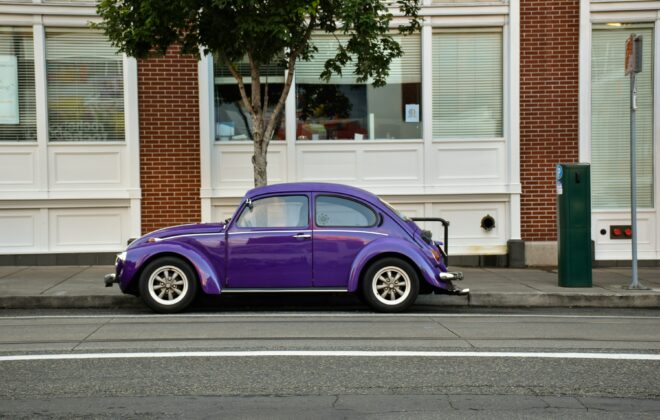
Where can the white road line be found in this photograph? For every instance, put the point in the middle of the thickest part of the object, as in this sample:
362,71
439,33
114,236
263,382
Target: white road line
271,315
331,353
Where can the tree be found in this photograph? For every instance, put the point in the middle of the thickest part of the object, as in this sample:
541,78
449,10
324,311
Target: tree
264,32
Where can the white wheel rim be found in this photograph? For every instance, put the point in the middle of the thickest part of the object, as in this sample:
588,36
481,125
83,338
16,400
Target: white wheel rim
391,285
168,285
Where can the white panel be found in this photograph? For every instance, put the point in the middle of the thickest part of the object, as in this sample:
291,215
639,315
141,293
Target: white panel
464,164
326,165
233,165
88,229
392,165
85,168
17,168
620,249
18,230
466,237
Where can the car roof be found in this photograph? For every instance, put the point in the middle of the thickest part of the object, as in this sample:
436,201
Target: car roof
311,187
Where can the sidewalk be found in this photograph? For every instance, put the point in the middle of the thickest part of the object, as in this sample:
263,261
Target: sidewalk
82,287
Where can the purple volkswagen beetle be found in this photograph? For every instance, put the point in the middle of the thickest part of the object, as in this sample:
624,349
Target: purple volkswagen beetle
297,237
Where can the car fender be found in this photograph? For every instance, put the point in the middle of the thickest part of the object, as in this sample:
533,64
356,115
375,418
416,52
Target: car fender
392,245
208,277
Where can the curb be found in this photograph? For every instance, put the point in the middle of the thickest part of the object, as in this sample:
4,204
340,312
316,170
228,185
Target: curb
70,302
564,300
475,299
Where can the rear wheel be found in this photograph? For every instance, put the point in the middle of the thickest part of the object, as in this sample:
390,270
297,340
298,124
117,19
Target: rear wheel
390,285
168,285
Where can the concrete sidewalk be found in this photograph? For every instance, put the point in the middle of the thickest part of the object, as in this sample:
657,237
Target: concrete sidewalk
82,287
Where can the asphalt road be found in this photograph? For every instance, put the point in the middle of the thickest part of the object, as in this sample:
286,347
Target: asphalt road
277,363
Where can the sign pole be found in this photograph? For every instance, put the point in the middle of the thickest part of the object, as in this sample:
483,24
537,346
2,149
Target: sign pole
633,66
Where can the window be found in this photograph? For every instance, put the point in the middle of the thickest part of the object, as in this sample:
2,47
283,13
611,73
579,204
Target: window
467,83
341,212
610,119
232,120
17,95
344,109
85,87
276,212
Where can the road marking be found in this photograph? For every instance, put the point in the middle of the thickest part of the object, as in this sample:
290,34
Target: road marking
333,353
270,315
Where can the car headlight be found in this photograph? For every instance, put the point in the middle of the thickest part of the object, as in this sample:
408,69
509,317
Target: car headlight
120,257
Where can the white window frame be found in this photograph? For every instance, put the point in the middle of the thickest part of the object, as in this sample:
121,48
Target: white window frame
607,11
46,194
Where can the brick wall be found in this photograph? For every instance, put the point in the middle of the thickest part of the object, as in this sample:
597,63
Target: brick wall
549,68
168,92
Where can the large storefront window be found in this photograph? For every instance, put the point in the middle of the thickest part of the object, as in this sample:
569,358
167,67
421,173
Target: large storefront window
344,109
610,119
467,83
85,87
232,120
17,95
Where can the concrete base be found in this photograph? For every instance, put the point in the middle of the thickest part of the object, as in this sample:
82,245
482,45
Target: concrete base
516,251
541,254
92,258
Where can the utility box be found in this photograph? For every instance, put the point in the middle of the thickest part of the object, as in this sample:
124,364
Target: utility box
574,224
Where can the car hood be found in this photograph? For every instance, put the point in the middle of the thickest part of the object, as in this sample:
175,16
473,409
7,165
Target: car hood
189,229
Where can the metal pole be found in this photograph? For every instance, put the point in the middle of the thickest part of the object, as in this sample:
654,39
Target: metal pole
633,179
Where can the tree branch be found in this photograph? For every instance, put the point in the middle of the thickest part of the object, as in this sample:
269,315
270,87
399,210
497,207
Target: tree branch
239,80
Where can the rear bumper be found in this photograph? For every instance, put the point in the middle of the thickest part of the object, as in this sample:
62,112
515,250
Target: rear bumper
447,278
451,276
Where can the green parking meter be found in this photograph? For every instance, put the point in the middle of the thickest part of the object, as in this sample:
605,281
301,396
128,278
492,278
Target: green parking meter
574,224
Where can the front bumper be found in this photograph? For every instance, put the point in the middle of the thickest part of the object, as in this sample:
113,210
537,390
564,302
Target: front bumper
110,279
113,278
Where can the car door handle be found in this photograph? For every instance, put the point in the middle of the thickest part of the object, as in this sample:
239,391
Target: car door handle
302,236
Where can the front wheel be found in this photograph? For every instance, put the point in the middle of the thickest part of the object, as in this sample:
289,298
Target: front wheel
168,285
390,285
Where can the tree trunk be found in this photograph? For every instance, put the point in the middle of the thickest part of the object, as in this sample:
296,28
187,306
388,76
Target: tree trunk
259,164
259,158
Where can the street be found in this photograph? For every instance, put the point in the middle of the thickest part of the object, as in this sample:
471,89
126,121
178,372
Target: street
323,362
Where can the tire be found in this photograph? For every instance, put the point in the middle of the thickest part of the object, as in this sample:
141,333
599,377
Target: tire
168,285
390,285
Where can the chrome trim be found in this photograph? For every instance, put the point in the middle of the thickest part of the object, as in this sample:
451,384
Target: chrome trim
185,235
350,231
270,231
286,290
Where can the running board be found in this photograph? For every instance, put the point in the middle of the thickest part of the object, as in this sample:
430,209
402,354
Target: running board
286,290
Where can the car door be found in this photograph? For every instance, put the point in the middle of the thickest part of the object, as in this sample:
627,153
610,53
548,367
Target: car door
343,226
270,244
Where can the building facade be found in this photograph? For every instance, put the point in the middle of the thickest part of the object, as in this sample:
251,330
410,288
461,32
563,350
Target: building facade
96,148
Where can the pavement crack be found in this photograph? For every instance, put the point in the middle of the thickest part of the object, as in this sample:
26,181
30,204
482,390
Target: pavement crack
65,279
90,334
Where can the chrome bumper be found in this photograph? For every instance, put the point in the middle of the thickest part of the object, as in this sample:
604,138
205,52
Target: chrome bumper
451,276
110,279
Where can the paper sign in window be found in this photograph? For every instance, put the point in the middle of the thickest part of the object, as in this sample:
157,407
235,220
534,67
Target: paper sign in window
8,89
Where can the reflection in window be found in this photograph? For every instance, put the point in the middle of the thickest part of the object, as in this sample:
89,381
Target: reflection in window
467,83
232,120
85,87
342,212
17,95
343,109
276,212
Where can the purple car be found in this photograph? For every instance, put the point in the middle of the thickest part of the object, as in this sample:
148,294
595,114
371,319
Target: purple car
297,237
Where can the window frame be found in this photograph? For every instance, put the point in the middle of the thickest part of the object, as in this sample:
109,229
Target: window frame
244,206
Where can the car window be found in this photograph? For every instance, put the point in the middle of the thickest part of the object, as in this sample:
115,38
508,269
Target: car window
341,212
274,212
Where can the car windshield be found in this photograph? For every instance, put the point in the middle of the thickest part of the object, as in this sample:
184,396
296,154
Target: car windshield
397,212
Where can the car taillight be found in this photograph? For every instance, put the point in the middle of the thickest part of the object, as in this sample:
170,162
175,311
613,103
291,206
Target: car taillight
436,254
